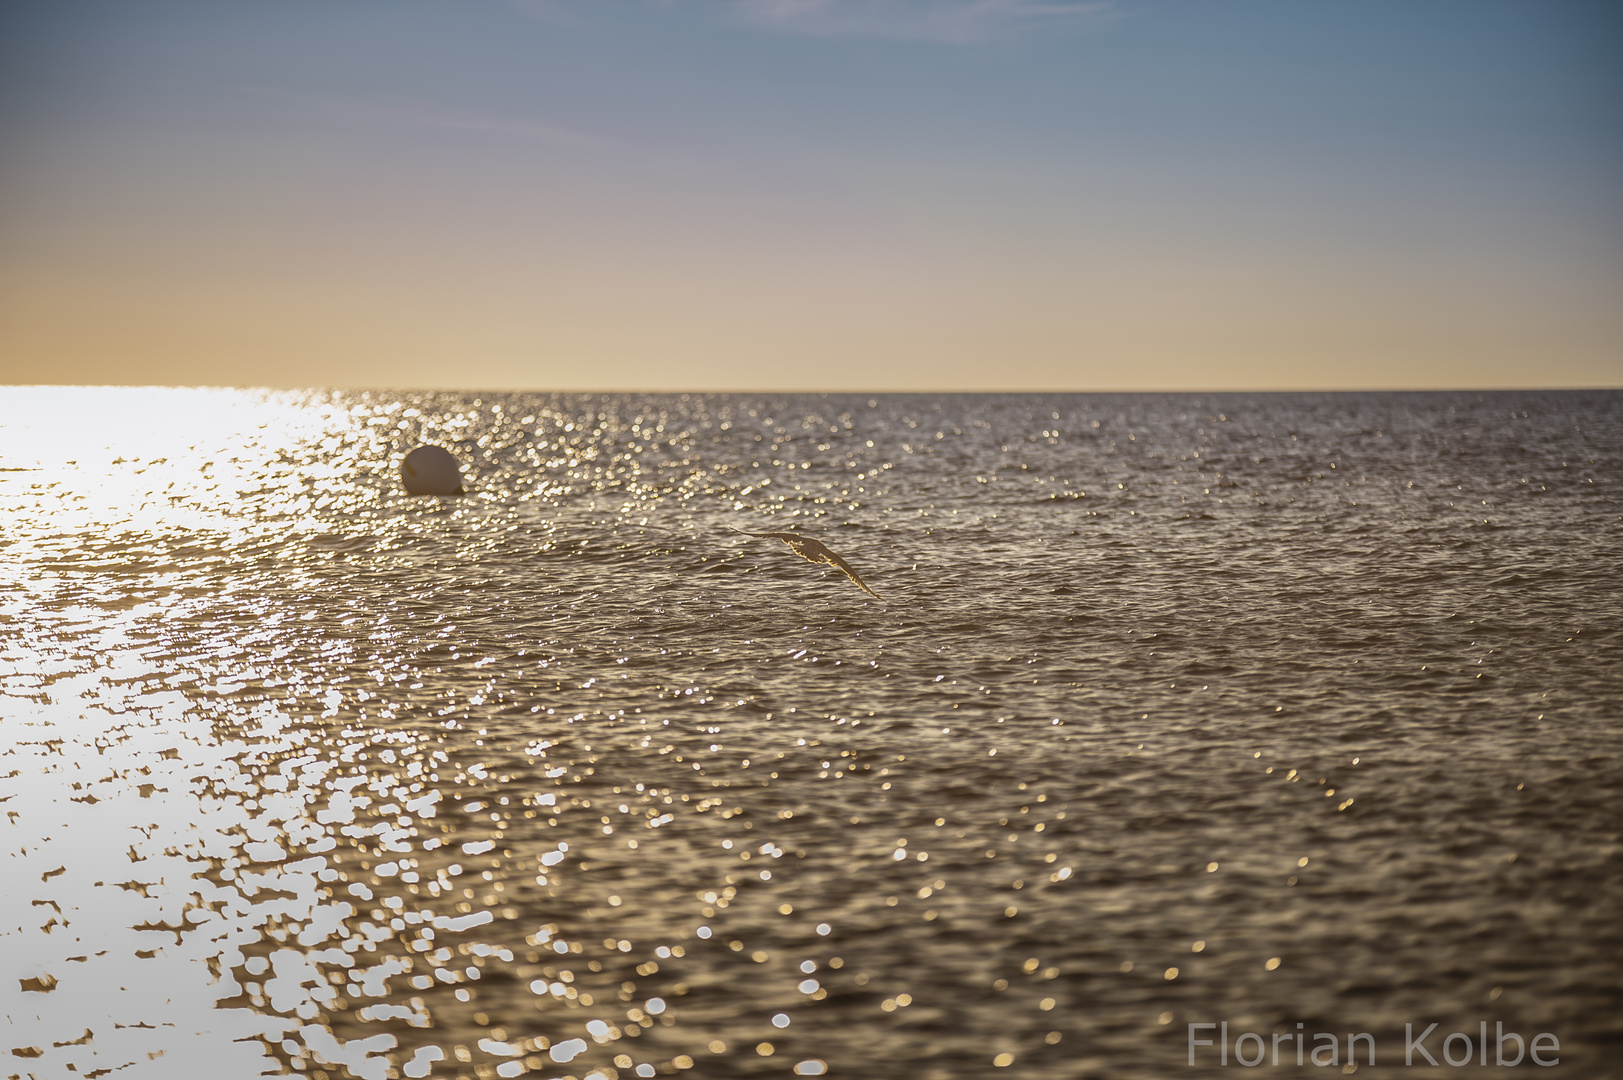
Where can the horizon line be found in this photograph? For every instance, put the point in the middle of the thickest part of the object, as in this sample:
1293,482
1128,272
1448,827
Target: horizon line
823,392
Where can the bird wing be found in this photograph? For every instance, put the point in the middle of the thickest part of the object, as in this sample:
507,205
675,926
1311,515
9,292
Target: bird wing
815,551
784,536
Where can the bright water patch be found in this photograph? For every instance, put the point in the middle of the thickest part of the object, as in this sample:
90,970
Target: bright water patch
1257,708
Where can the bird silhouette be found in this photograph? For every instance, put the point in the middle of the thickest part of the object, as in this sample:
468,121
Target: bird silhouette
814,551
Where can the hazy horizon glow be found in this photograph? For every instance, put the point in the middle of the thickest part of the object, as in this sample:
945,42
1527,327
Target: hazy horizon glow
812,194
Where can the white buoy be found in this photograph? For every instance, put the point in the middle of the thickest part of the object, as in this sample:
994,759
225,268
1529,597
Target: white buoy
431,470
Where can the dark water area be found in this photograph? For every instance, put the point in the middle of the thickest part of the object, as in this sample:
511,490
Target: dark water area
1262,710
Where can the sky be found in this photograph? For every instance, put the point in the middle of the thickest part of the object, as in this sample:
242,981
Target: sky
860,195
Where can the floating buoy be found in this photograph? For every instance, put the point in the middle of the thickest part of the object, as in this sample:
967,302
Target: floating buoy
431,470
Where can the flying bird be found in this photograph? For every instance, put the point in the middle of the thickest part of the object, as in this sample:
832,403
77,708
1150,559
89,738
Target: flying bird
814,551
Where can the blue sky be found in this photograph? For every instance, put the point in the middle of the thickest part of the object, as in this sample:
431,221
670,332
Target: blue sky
862,194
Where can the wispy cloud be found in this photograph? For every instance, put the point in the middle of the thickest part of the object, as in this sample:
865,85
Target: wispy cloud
951,22
403,113
562,12
499,125
954,22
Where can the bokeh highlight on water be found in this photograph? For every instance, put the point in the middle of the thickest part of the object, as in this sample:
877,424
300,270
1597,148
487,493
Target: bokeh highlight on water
1271,709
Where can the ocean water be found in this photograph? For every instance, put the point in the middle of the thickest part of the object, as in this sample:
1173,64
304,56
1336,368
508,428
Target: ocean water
1294,713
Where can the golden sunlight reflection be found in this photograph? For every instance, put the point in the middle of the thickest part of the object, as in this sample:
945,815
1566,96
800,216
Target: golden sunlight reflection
156,461
562,778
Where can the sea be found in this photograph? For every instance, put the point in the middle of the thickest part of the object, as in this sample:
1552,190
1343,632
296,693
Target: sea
1193,733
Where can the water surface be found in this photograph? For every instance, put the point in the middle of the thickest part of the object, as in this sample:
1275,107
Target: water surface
1262,709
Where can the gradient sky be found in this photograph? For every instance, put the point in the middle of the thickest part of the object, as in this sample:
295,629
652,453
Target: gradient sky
812,194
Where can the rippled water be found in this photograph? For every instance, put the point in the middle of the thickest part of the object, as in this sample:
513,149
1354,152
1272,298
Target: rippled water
1256,709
